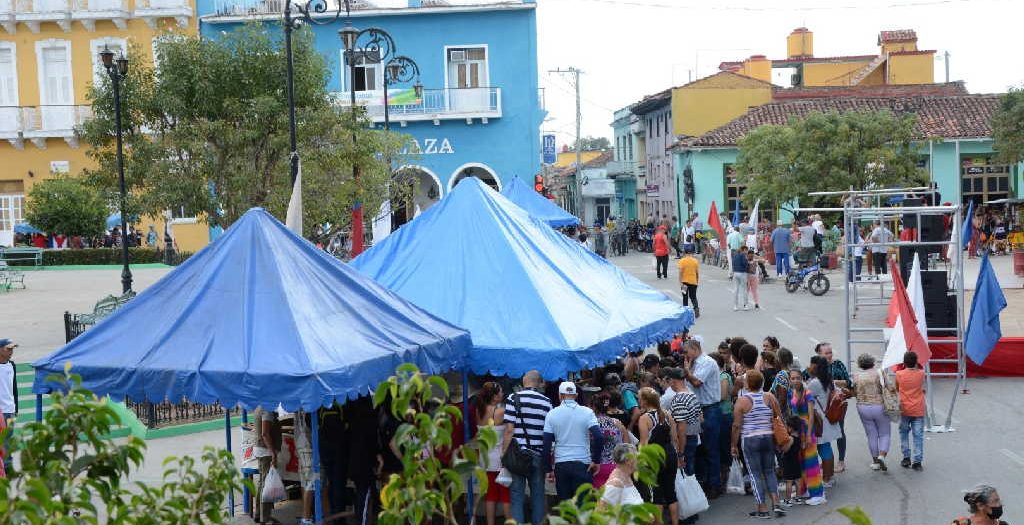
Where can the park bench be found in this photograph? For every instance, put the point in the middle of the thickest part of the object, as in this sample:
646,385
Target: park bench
22,253
8,277
75,324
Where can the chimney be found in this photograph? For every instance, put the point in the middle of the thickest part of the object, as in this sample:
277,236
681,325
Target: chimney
800,43
759,67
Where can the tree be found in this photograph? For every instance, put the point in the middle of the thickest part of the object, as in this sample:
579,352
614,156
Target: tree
594,144
1008,126
67,206
71,472
208,131
828,152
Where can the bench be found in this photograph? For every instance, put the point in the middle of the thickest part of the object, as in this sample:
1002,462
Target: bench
8,277
75,324
22,253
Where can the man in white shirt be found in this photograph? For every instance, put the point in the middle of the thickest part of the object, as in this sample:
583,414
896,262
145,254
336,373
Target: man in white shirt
574,433
880,234
703,375
807,250
8,391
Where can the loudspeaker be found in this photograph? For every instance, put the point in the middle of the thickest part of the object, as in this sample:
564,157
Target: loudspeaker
907,260
932,229
941,314
910,219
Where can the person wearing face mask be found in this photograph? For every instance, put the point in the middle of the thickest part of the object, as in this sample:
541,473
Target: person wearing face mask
985,506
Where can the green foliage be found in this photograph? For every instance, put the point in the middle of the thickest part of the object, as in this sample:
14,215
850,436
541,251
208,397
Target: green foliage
828,152
66,205
90,256
856,515
71,472
208,131
594,144
1008,126
587,509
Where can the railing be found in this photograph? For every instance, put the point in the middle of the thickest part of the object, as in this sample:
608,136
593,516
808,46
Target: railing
42,7
100,5
6,8
58,120
163,5
440,103
253,7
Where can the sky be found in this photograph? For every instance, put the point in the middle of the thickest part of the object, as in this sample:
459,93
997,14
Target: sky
631,48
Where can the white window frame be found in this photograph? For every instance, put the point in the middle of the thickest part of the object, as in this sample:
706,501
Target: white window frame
42,45
14,68
345,77
485,79
96,45
181,220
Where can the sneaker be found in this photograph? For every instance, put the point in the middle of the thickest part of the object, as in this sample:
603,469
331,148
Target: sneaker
757,306
779,513
816,501
799,500
905,463
760,515
917,466
876,465
787,503
881,465
829,484
746,307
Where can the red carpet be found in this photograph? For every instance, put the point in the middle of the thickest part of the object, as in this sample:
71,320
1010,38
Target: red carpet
1006,360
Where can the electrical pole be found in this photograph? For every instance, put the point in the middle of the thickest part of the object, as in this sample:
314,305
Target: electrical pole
579,138
946,57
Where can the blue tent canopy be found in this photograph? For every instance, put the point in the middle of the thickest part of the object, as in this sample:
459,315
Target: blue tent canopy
25,228
532,297
257,318
537,205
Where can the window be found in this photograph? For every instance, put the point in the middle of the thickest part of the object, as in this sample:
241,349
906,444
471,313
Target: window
182,214
733,197
368,72
8,88
467,67
629,146
981,180
668,116
650,128
117,45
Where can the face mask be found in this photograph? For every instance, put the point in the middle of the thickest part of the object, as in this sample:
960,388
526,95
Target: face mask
995,512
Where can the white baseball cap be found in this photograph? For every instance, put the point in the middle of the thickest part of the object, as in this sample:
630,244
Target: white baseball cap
567,388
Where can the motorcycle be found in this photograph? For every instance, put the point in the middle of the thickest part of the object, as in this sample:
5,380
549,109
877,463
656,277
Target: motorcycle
809,277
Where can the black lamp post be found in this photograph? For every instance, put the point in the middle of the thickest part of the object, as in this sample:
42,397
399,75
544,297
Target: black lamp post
399,70
116,70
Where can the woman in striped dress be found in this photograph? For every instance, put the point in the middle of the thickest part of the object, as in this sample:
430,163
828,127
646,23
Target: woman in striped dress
801,401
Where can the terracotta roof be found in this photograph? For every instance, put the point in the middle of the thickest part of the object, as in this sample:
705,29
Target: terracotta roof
960,116
652,102
905,90
917,52
898,35
837,59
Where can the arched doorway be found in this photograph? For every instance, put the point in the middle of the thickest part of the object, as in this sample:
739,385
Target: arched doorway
416,190
480,171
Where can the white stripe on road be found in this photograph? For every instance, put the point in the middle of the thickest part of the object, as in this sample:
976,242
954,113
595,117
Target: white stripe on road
1013,455
787,325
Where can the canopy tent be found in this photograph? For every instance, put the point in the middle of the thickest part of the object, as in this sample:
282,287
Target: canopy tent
257,318
537,205
25,228
532,297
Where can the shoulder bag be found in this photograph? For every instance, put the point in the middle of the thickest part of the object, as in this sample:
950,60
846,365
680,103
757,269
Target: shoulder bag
835,410
779,431
890,398
518,459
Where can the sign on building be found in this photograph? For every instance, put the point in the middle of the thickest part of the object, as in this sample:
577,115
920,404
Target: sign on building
652,190
550,150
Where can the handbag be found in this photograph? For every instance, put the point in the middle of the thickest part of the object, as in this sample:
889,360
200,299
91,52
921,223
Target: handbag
692,499
835,410
518,459
780,434
890,399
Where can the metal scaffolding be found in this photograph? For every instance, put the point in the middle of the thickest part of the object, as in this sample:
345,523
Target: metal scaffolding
860,293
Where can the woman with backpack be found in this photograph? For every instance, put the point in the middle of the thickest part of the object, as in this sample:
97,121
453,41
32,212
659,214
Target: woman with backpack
656,427
820,384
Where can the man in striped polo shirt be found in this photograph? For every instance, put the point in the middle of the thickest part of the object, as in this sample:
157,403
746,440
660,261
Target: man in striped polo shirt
526,423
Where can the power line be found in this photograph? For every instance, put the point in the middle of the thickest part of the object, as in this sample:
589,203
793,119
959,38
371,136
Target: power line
585,99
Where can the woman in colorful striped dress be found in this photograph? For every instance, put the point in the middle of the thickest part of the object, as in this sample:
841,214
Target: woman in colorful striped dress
800,402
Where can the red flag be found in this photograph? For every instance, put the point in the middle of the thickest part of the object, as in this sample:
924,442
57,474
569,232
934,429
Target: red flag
905,335
357,229
899,288
715,222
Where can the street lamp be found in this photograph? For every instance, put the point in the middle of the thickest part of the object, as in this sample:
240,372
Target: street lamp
399,70
117,69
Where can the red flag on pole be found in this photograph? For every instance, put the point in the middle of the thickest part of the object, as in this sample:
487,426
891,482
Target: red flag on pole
905,334
715,222
898,289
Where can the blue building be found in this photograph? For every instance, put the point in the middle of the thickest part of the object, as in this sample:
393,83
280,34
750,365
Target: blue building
480,111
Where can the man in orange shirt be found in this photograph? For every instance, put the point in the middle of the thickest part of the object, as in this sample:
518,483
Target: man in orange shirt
910,384
661,252
688,278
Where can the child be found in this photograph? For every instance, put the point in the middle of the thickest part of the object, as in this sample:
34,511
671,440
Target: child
791,463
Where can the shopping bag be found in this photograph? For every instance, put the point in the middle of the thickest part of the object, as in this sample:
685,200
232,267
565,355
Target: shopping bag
504,478
735,483
273,487
691,497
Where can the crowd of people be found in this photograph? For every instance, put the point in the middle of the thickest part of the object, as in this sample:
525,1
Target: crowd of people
109,239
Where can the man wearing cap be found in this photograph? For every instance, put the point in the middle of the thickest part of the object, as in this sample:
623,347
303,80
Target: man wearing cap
8,392
576,436
703,375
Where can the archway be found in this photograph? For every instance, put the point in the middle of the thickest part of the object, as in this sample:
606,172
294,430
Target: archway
475,169
417,189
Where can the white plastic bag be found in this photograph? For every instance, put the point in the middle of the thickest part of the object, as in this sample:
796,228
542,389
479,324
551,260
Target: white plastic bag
504,478
273,487
691,497
735,483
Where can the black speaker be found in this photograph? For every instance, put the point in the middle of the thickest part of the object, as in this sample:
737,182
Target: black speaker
907,260
932,228
941,314
910,219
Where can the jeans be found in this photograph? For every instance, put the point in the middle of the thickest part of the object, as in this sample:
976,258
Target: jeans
740,281
569,476
518,494
690,454
782,263
662,265
841,442
690,295
759,451
877,426
9,418
915,424
854,273
709,465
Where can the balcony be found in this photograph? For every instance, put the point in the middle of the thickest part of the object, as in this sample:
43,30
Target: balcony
7,16
435,105
87,12
622,169
32,13
39,123
153,10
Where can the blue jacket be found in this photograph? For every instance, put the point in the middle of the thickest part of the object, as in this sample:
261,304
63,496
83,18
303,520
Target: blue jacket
739,262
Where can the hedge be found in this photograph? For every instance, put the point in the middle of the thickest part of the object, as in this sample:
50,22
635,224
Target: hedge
98,256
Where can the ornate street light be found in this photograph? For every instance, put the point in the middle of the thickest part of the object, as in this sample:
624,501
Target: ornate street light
117,69
400,70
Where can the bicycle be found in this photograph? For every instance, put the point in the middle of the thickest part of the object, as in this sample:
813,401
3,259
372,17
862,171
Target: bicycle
808,276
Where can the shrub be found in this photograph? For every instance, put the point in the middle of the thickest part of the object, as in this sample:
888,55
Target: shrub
102,256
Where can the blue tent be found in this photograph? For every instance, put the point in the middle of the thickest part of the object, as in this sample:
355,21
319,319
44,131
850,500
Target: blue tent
25,228
257,318
537,205
531,297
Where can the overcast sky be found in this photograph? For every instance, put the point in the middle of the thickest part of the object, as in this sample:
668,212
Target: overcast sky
631,48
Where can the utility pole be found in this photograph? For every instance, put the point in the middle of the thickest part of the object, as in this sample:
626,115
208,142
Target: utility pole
945,56
579,138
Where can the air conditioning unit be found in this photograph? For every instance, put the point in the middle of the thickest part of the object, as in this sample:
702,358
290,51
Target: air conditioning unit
458,55
794,80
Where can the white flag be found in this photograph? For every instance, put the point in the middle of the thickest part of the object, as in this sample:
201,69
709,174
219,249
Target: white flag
293,219
753,216
381,227
915,292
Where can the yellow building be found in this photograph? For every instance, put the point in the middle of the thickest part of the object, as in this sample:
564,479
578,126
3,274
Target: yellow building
49,55
567,157
710,102
897,62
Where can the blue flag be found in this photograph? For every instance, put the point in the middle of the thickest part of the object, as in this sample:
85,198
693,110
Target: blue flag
967,228
736,215
983,330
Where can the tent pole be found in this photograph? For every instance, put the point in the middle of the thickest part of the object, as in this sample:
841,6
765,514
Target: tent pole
314,425
39,407
466,438
227,439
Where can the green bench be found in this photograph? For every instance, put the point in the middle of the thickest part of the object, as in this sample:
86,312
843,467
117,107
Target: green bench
22,253
9,277
75,324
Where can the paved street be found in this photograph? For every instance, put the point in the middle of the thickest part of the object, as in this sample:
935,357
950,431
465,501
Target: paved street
976,452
